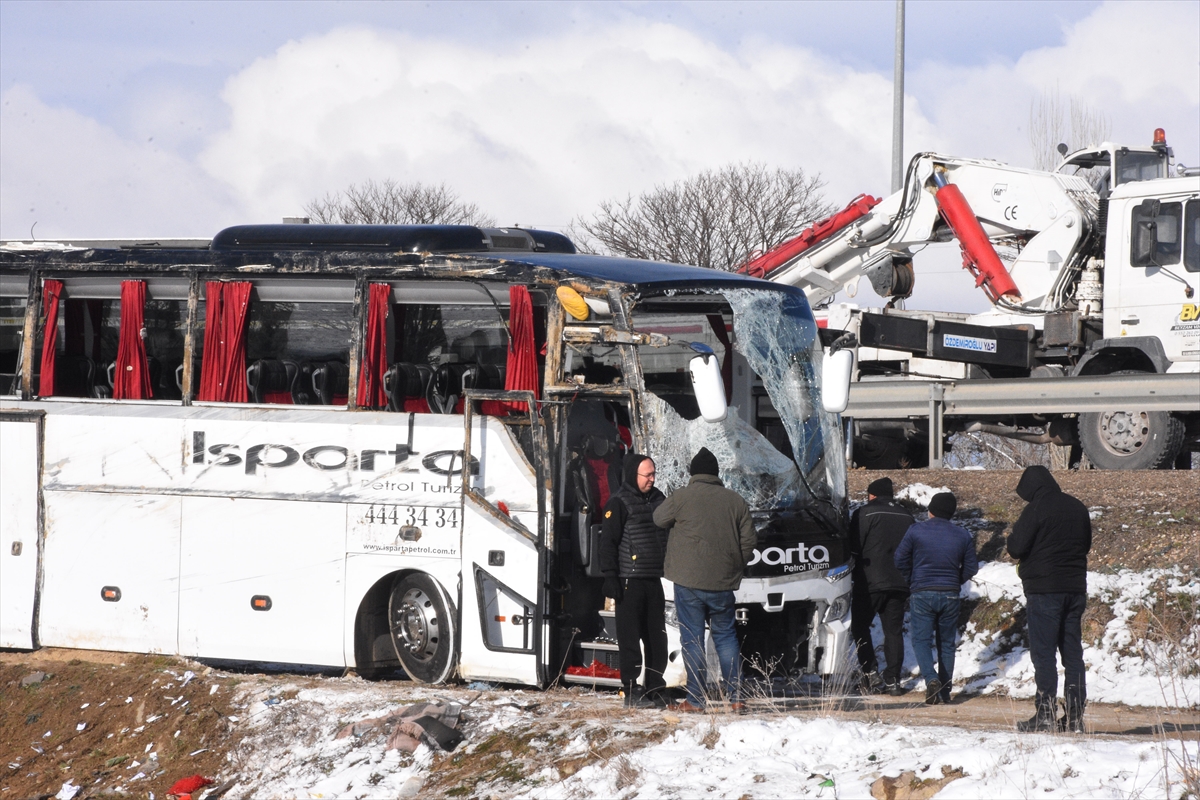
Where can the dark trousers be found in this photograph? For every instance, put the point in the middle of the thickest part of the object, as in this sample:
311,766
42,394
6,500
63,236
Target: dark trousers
640,623
889,606
1055,628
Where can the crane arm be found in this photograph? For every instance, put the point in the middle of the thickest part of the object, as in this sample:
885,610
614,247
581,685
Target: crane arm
1049,218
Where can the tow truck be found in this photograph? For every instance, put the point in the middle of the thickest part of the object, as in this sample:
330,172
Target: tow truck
1093,337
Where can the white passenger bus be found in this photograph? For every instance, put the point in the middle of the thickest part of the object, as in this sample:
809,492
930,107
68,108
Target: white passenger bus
383,446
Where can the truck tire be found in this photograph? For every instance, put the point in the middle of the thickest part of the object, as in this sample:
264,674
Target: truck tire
1131,439
421,619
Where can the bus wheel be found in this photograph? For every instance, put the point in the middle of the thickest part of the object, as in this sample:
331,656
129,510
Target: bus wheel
421,618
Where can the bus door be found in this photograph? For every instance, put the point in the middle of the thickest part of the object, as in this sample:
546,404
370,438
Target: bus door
503,547
20,445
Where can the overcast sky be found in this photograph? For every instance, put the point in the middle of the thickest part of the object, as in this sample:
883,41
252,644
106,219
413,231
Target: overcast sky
178,119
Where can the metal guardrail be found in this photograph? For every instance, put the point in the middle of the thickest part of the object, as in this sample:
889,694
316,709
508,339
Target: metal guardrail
895,399
936,399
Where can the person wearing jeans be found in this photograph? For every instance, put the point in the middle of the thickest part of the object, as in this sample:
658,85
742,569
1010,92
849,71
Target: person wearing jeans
710,541
694,607
937,556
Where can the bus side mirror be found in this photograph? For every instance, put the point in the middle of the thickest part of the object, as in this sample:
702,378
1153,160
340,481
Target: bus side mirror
837,367
708,385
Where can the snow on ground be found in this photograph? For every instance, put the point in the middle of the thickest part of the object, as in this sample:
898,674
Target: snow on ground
828,758
289,749
919,493
1120,668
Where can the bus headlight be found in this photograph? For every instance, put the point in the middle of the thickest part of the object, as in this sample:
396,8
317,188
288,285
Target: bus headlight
838,608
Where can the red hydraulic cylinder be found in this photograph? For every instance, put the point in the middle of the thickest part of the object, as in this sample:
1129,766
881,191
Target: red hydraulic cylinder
978,254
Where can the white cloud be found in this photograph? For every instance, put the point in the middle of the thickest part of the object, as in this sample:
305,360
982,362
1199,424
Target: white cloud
541,134
73,176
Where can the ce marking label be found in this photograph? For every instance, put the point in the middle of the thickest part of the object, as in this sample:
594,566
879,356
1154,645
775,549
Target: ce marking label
1010,213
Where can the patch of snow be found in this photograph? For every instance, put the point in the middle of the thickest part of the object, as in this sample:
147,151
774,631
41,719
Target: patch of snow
793,757
919,493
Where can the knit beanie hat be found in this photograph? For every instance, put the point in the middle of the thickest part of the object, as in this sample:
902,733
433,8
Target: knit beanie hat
704,463
943,505
881,487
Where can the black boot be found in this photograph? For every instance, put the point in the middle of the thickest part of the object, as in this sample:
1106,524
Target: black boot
1072,719
636,698
933,693
1043,720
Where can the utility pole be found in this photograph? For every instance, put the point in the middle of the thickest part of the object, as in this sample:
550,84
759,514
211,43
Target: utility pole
898,104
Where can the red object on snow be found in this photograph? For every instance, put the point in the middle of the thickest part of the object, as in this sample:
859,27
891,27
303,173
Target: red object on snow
773,259
596,670
189,785
979,257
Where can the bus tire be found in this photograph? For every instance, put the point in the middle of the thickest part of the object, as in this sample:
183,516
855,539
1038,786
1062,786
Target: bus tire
1131,439
421,619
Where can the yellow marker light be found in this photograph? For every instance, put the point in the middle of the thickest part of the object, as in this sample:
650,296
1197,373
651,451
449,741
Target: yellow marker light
573,302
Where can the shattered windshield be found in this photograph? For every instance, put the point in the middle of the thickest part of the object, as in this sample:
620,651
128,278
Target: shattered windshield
776,447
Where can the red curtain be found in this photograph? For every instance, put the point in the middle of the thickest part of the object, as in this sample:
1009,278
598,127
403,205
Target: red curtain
51,291
374,362
132,379
223,367
718,326
521,373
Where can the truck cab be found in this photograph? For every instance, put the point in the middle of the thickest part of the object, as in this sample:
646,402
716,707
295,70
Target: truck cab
1109,165
1152,269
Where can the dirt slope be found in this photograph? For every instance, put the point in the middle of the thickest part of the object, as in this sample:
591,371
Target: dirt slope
1146,519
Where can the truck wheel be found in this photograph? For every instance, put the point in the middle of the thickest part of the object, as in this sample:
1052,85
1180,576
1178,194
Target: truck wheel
1131,439
421,618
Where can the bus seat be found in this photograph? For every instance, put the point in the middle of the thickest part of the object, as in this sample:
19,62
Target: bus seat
445,390
596,470
405,385
270,380
331,383
74,376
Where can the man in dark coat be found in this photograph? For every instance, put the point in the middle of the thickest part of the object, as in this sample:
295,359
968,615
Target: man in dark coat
939,557
712,538
1050,542
632,549
876,530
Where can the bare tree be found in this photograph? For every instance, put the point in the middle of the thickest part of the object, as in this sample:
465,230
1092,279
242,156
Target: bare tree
1052,121
719,218
390,203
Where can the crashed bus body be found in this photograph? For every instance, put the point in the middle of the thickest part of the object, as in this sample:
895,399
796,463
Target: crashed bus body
381,446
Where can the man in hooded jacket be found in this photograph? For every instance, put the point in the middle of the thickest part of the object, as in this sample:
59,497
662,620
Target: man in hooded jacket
876,530
632,548
1050,542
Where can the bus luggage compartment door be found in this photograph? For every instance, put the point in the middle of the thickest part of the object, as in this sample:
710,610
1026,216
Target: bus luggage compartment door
20,436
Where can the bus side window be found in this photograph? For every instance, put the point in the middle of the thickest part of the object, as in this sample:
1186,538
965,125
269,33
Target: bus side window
436,352
12,323
297,344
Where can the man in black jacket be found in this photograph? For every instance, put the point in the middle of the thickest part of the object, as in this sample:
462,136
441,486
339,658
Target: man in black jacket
631,558
1051,540
876,529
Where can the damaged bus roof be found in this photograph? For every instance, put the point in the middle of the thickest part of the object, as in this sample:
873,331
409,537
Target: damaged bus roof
435,251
